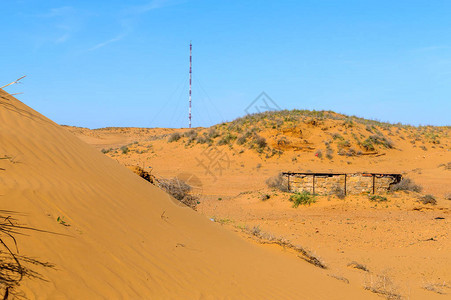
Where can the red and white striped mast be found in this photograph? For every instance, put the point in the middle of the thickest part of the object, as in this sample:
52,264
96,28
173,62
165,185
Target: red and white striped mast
190,77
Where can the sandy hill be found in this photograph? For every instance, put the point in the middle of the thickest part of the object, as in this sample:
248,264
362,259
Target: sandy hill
258,146
404,244
122,237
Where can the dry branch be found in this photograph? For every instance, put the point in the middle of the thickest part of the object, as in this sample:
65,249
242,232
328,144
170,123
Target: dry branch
14,82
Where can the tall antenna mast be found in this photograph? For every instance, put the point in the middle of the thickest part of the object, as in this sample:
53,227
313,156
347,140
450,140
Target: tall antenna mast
190,75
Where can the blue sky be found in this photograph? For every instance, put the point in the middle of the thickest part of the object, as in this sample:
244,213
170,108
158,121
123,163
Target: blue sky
125,63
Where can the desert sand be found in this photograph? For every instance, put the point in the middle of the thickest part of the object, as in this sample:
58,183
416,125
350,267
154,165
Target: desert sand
403,244
115,236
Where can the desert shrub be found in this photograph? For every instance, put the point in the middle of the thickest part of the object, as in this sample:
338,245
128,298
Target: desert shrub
192,134
283,141
180,190
357,265
273,152
213,133
277,182
368,145
380,140
406,184
339,192
105,151
190,201
351,152
303,198
383,286
344,144
203,139
337,136
428,199
226,139
243,138
260,142
265,197
377,198
448,196
348,123
175,187
329,153
125,149
319,153
174,137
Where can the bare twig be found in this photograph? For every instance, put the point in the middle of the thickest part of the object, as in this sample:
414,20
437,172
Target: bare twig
12,265
14,82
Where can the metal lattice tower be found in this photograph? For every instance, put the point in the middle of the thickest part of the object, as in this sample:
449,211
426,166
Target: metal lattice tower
190,77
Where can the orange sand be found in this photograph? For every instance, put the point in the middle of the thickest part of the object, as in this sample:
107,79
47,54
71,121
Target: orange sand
400,239
127,239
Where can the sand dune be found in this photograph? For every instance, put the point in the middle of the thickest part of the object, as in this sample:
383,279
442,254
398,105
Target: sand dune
127,239
401,239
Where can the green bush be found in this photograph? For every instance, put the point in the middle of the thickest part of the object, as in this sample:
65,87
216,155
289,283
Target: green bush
303,198
367,145
344,144
377,198
125,149
226,139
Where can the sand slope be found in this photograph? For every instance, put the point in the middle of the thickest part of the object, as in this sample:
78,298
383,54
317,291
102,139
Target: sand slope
127,239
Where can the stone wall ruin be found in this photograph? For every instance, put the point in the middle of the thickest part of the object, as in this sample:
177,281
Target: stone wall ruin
347,184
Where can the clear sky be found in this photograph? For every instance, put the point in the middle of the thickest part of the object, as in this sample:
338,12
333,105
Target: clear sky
98,63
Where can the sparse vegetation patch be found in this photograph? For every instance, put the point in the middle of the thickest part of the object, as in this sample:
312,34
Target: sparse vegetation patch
406,184
428,199
382,285
304,198
277,182
180,190
377,198
174,137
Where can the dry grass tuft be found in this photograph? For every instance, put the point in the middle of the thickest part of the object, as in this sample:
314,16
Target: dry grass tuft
174,137
428,199
180,190
339,277
382,285
406,184
438,288
266,238
278,182
15,267
359,266
339,192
